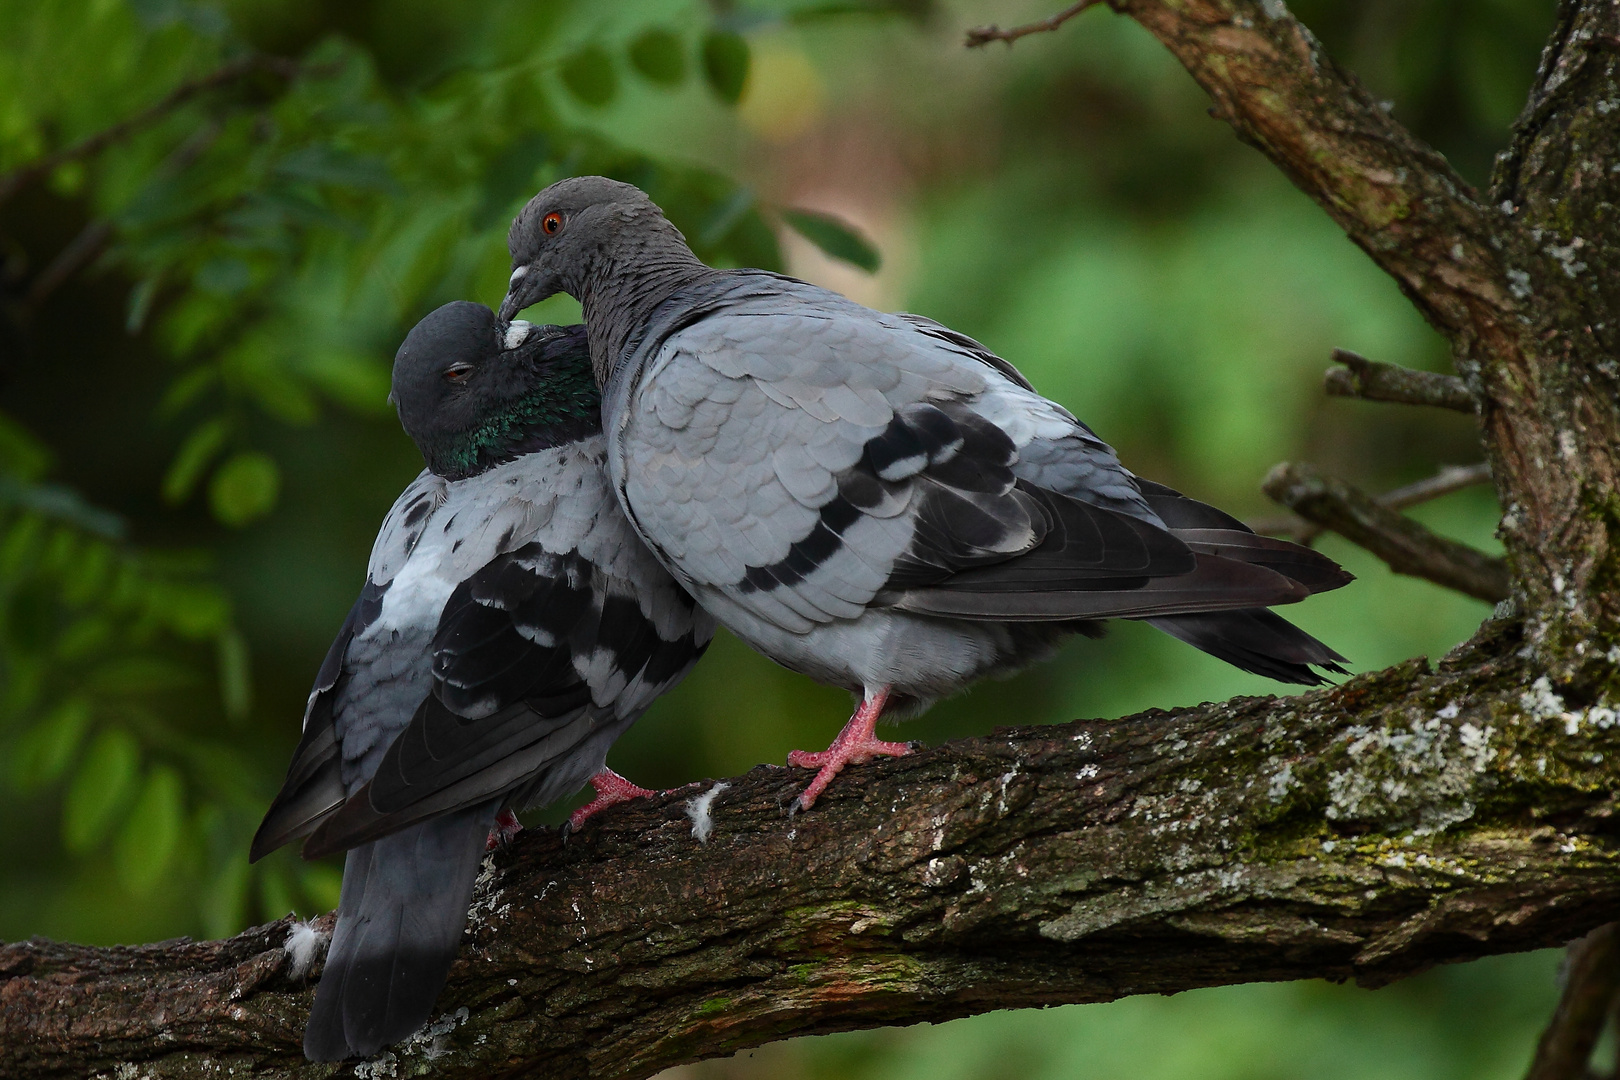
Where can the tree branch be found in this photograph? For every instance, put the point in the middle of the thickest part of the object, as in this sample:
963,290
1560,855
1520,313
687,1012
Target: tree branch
1529,305
1372,381
1407,546
1367,831
1449,479
1591,983
984,35
15,180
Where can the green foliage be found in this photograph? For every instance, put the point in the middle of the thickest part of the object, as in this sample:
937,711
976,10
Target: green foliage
245,488
659,56
725,64
837,238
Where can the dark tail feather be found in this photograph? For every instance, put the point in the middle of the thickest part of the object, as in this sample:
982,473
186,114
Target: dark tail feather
400,917
1256,640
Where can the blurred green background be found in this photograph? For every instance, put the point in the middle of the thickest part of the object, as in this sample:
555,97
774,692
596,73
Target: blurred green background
197,321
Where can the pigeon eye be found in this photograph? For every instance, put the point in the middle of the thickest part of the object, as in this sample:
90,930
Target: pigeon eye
458,372
551,222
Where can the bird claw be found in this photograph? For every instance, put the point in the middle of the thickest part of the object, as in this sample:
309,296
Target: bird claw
611,789
507,826
831,761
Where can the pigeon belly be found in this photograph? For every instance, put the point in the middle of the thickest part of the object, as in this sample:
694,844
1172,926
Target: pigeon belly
921,659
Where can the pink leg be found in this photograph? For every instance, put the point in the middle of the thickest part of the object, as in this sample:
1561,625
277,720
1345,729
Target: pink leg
855,745
506,827
611,789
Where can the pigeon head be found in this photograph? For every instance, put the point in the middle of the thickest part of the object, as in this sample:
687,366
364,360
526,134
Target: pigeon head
584,233
473,392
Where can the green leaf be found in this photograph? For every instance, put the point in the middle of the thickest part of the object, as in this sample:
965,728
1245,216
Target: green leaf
354,379
43,753
194,456
245,488
141,298
329,165
63,504
20,453
658,56
235,674
103,784
223,277
185,390
151,832
141,675
834,237
590,77
725,64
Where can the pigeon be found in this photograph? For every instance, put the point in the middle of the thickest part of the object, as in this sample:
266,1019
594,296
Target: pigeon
511,627
875,500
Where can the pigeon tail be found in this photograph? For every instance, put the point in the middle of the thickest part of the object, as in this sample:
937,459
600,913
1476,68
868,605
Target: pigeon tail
400,917
1257,640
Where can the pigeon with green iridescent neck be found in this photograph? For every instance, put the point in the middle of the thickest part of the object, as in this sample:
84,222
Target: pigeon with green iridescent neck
511,627
875,500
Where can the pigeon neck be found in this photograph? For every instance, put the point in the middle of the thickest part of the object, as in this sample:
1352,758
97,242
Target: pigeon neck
562,408
620,297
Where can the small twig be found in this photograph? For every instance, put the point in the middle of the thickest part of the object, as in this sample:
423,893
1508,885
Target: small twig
92,239
984,35
1591,986
1407,546
1369,379
15,180
70,260
1449,479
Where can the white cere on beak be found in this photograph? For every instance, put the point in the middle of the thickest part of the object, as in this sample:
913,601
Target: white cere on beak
517,333
517,275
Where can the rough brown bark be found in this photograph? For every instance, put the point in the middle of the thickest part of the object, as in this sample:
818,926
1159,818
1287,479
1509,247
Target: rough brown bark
1368,831
1409,817
1407,546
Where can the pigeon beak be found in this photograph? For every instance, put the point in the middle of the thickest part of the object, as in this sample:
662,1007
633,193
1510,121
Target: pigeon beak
523,289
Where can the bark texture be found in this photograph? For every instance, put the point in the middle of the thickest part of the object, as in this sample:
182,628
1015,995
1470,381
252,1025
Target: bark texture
1413,816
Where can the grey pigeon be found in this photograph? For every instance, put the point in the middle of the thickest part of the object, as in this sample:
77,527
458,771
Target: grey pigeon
511,627
875,500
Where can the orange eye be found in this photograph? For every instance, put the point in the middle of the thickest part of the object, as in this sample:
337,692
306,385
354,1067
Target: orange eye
551,222
457,372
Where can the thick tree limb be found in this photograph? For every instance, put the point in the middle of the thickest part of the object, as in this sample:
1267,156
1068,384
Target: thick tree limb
1591,983
1368,831
1406,545
1531,307
1372,381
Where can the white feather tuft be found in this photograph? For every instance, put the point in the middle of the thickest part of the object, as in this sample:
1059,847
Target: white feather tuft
517,332
699,808
304,945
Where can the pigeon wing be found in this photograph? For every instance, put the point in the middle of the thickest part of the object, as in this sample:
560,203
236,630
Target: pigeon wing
806,457
314,786
542,657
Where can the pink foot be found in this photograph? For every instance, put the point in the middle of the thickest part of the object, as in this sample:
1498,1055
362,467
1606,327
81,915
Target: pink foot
506,827
855,745
611,789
